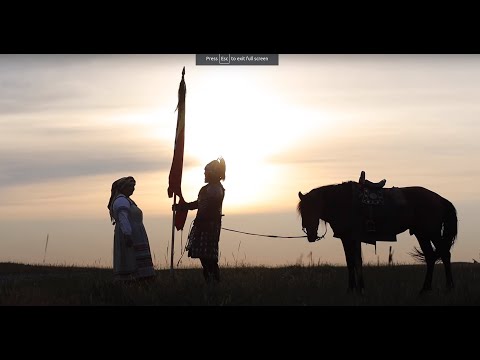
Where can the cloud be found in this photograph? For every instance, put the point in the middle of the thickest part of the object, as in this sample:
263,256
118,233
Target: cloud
33,166
84,82
64,116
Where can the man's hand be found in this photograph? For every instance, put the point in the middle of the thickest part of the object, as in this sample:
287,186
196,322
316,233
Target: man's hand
180,207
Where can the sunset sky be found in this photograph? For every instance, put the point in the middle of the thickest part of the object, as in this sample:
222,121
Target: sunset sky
72,124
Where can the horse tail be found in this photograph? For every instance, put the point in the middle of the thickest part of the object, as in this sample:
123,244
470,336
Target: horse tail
450,224
449,233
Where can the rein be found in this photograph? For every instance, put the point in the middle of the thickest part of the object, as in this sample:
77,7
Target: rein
272,236
276,236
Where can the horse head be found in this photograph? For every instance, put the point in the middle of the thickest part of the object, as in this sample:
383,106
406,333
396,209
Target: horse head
310,216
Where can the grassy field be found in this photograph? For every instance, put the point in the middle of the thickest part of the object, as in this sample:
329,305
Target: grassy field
396,285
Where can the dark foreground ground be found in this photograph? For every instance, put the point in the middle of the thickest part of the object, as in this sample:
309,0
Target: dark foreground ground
396,285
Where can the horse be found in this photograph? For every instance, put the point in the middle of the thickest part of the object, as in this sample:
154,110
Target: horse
366,212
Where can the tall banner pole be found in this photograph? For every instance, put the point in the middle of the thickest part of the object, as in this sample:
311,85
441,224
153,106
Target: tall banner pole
175,176
173,234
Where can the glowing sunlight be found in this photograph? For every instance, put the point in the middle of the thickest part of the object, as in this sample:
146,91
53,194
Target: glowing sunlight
246,123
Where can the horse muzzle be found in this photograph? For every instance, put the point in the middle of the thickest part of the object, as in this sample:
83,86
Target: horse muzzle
312,237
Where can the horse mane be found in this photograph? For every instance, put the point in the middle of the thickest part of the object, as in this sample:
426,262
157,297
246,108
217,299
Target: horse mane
326,191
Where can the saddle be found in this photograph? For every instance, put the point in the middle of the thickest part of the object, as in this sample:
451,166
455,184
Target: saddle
370,185
371,194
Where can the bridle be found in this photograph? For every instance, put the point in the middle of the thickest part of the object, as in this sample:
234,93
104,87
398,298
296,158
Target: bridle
318,237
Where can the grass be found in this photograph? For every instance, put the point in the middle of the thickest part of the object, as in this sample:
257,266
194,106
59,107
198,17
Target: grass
297,285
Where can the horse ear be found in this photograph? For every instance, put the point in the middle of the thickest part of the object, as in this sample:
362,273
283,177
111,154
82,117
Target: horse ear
300,195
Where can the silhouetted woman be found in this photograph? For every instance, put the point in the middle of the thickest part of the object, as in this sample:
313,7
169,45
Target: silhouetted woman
132,259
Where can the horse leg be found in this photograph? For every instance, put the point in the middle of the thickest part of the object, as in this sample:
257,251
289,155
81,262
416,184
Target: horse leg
448,269
358,266
430,258
348,249
445,256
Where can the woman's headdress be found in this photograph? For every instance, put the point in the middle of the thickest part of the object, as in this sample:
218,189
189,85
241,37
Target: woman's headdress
117,187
